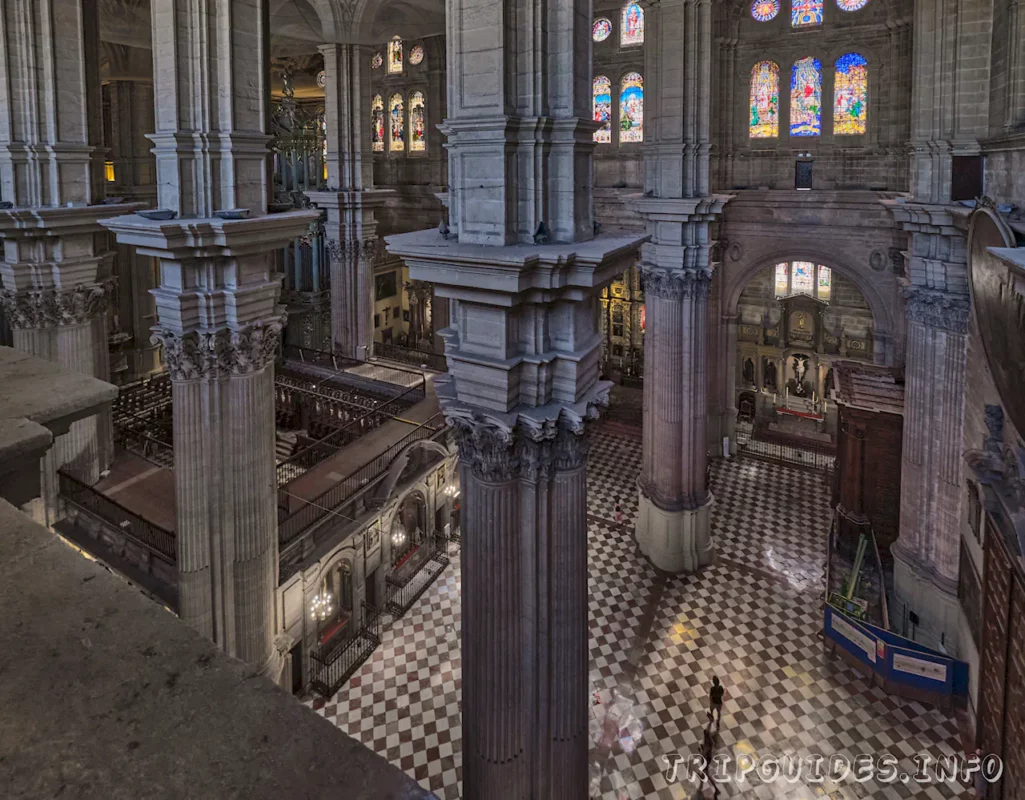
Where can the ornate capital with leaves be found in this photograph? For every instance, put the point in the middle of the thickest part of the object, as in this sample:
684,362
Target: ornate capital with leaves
214,354
675,284
51,308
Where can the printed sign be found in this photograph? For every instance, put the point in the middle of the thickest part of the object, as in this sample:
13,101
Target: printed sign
856,637
917,666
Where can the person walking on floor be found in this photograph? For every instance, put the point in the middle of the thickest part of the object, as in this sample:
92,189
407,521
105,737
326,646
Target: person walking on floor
619,514
715,696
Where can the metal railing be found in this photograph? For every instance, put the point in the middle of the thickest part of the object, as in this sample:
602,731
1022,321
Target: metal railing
152,537
413,356
325,360
311,455
408,589
332,666
291,528
795,453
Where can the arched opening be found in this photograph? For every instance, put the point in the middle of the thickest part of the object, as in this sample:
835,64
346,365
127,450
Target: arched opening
795,319
409,529
332,606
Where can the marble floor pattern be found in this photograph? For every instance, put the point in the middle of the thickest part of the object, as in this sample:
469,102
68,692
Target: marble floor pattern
753,619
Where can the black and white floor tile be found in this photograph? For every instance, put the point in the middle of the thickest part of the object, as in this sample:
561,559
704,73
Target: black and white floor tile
753,619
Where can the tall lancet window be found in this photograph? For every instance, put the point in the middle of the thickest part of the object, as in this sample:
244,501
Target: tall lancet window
806,98
397,124
377,123
631,108
850,95
394,55
765,100
632,29
602,106
417,123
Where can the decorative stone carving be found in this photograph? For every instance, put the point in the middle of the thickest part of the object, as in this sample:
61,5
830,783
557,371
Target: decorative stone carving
205,355
935,309
673,284
496,453
353,249
50,308
736,251
877,261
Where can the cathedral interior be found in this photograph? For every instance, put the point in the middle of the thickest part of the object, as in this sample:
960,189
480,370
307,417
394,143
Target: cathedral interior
413,399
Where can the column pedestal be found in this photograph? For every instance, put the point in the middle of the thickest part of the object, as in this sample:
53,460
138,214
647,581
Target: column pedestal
675,541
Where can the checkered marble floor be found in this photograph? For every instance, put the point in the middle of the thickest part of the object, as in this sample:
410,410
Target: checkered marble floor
753,619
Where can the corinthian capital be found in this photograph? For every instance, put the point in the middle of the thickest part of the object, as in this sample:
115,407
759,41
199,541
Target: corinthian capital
215,354
934,309
49,308
675,284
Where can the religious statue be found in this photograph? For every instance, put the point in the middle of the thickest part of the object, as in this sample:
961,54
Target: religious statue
800,370
749,371
769,369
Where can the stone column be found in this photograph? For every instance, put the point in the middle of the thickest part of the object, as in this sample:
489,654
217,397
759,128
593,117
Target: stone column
926,554
56,269
523,351
219,318
350,200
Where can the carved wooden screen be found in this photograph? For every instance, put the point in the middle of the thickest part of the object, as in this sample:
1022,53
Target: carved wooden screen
993,673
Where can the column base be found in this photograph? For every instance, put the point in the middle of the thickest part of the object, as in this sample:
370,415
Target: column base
675,541
937,608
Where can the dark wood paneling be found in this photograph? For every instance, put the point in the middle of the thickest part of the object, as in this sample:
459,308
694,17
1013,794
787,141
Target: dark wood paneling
993,672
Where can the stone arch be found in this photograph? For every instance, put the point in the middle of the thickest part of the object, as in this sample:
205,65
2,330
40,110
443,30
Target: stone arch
386,489
735,281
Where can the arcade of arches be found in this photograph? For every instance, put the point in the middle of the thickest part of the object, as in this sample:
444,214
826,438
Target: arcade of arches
492,390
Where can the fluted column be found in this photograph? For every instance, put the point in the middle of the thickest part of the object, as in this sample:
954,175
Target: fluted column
350,199
56,268
524,610
672,526
927,549
219,320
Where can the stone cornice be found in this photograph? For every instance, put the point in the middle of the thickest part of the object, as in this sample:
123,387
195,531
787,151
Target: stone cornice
51,308
679,209
675,284
215,354
60,221
934,309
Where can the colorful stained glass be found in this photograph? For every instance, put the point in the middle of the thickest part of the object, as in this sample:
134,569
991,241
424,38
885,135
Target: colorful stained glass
632,31
417,123
782,279
764,10
377,123
395,55
631,108
804,13
397,119
376,60
825,282
602,29
602,107
765,100
851,5
850,95
802,279
806,98
416,55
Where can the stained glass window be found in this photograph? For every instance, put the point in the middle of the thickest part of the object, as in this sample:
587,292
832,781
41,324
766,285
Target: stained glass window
802,279
806,98
765,100
804,13
825,282
395,55
851,5
416,55
782,279
417,123
850,96
397,123
632,31
631,108
376,60
764,10
602,29
377,123
602,106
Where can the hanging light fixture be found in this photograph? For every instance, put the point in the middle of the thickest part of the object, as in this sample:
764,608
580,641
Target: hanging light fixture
398,537
321,607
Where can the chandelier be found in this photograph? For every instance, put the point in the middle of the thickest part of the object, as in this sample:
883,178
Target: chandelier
321,607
